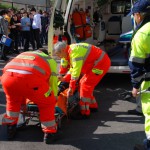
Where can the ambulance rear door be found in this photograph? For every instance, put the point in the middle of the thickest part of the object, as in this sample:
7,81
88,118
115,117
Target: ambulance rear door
86,5
59,7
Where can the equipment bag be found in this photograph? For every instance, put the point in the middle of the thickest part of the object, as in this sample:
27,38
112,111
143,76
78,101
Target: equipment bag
82,29
58,19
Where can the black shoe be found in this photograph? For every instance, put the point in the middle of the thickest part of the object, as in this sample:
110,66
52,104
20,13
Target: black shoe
49,138
16,52
93,109
26,50
4,58
139,147
135,112
79,116
11,131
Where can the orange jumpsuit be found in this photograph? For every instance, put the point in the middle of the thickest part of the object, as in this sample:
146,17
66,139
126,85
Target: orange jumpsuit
27,77
90,62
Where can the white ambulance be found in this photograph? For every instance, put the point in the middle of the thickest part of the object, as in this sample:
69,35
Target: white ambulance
110,27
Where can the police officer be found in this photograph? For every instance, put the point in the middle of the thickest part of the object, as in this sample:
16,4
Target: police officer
139,62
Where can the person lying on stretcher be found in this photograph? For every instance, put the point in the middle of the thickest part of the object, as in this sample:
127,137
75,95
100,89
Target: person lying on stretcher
62,101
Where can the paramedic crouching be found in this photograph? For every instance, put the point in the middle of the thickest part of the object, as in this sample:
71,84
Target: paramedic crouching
31,75
89,63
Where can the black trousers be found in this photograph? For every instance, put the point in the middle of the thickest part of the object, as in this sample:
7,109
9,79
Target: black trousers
26,37
4,49
36,33
15,37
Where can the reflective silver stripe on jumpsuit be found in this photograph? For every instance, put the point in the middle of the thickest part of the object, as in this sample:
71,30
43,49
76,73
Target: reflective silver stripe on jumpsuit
100,58
27,65
137,60
48,124
93,101
10,114
88,100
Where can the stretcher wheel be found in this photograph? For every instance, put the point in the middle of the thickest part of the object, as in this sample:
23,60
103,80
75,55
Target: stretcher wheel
24,122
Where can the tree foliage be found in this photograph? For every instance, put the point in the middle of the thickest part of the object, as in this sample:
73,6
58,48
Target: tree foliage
101,2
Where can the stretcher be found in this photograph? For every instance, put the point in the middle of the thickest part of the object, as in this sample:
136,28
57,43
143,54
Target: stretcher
64,107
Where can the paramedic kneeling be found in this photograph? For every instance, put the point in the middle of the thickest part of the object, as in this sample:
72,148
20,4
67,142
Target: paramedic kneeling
31,75
90,62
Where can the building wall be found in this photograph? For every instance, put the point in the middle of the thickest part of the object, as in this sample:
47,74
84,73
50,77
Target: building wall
31,2
27,4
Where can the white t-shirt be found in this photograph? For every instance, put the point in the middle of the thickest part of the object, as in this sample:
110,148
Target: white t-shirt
36,21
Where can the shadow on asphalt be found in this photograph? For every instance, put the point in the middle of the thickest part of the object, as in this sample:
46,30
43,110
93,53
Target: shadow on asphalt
84,134
31,133
83,139
2,102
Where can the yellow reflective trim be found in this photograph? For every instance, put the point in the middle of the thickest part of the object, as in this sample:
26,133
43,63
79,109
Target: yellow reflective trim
77,59
47,94
26,57
97,71
59,82
64,63
41,55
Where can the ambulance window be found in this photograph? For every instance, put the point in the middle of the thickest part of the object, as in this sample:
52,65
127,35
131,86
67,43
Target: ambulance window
120,7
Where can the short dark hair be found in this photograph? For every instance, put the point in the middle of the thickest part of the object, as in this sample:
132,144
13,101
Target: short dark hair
25,12
3,12
33,9
14,15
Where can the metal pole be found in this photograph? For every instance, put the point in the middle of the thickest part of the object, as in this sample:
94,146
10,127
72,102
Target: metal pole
46,4
12,5
26,7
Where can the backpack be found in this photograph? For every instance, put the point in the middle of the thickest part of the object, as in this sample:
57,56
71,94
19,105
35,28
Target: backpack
58,19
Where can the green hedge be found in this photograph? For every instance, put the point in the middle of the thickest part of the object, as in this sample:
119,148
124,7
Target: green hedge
5,6
101,2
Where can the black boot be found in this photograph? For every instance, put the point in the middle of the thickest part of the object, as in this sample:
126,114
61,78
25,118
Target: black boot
145,146
135,112
4,58
94,109
79,116
51,137
139,147
11,131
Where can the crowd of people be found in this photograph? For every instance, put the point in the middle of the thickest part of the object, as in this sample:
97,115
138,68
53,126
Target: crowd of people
24,28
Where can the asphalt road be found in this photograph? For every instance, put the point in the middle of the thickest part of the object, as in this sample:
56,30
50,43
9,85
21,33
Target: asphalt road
111,128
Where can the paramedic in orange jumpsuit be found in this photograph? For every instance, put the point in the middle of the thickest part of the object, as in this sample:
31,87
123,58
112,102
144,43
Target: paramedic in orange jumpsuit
87,61
31,75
